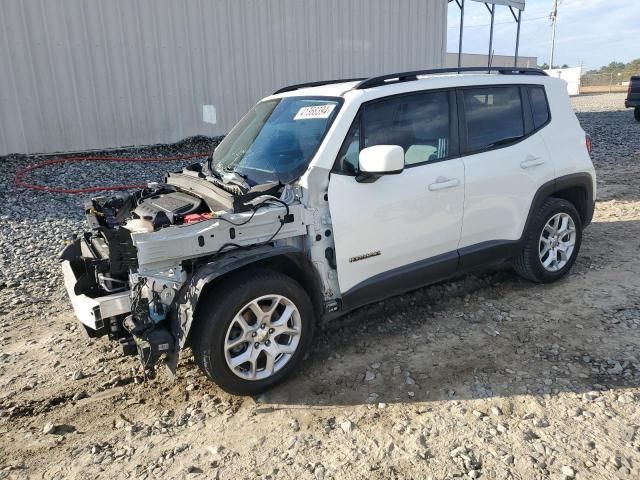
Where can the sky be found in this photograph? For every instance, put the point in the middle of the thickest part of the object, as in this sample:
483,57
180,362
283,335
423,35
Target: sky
594,32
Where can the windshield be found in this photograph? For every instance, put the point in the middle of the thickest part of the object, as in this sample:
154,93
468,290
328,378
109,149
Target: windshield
276,140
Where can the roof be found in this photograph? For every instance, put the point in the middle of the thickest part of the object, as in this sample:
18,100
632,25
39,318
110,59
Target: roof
416,78
422,82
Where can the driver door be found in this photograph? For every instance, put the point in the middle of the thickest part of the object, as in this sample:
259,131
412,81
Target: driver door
400,231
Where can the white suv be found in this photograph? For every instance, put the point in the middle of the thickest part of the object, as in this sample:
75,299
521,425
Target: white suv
329,196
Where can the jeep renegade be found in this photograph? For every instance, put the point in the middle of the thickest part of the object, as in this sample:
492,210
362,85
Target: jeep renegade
329,196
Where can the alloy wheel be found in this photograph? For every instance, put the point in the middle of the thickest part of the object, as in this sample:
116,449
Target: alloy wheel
557,242
263,337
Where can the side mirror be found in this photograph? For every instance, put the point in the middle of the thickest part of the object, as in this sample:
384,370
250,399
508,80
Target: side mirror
380,160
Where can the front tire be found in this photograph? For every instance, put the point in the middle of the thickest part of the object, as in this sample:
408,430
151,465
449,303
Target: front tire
636,114
252,331
551,243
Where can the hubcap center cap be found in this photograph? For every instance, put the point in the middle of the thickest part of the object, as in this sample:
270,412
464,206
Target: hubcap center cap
261,335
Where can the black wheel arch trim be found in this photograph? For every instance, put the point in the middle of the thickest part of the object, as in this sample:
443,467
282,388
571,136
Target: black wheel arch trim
582,180
183,314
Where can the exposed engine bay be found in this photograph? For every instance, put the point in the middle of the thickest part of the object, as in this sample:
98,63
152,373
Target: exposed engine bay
131,271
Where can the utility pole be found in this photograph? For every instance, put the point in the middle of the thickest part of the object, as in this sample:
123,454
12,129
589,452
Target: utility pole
554,18
461,5
518,21
492,11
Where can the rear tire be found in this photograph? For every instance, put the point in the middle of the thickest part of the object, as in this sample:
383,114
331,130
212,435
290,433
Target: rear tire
252,330
636,114
551,243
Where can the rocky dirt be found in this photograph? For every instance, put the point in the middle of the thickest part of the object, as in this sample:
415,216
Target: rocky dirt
487,377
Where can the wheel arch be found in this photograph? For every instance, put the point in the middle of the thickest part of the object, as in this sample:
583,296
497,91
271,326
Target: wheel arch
578,196
288,260
576,188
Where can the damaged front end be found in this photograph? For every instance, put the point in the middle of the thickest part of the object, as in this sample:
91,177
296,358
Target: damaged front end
127,275
100,270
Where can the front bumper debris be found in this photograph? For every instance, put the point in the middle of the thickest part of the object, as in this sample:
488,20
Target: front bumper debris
93,312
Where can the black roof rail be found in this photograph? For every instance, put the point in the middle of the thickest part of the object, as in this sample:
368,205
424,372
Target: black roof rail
413,75
292,88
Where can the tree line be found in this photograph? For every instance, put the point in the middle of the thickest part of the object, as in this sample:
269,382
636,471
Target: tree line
545,66
621,68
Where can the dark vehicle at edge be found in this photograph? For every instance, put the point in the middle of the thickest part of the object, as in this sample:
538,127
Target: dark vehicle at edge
633,96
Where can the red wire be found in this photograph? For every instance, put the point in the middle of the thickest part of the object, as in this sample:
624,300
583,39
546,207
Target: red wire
21,173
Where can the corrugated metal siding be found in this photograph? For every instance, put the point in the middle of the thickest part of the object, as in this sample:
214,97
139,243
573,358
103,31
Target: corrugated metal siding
80,75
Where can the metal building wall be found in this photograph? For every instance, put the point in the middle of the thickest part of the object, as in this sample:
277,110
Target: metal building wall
78,75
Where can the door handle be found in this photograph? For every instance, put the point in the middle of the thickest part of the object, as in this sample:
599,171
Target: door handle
531,162
441,183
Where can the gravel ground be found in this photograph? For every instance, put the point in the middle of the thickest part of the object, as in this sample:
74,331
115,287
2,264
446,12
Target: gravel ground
487,376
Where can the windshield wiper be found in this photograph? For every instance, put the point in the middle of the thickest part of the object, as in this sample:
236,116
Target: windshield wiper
212,170
227,177
236,178
241,175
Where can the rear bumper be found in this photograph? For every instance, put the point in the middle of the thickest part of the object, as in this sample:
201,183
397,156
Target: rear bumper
631,103
92,312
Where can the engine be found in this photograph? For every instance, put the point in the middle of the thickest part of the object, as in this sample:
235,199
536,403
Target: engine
168,209
105,255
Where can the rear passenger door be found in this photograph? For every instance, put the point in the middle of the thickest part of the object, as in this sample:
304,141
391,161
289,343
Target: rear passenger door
505,161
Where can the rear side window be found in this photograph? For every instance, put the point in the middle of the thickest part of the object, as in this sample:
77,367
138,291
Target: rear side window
493,116
539,106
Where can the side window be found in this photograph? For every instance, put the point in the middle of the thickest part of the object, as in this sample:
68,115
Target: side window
418,123
493,116
539,106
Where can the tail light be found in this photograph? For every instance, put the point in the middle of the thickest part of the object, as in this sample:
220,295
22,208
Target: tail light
589,142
